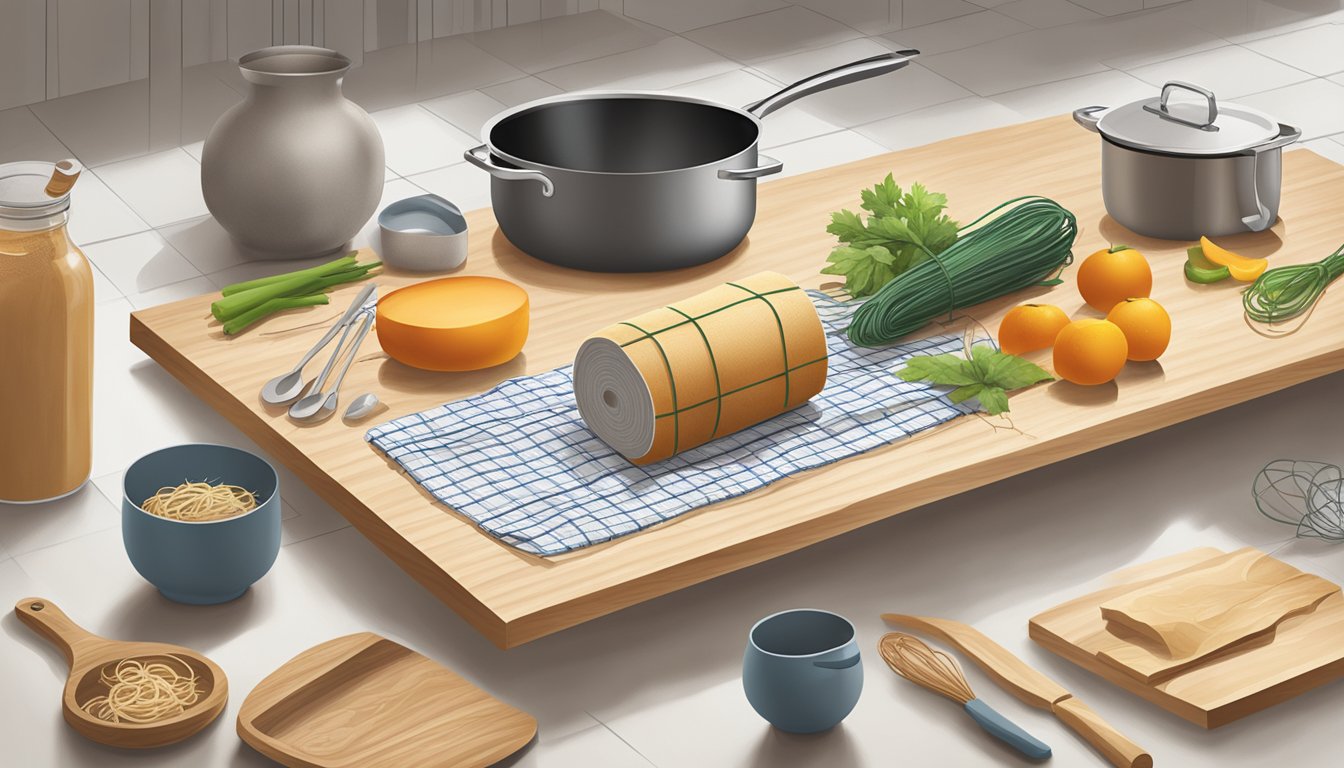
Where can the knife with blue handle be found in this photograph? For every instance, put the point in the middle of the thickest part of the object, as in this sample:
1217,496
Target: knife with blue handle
1006,730
1032,687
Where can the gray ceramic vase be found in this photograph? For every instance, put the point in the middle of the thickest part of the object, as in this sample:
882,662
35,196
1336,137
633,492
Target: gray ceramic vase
296,169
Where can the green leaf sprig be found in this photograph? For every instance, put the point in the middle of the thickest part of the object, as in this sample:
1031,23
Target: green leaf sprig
984,373
901,230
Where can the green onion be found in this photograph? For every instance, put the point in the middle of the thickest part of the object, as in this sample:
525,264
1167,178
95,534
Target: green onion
247,302
298,284
321,270
271,306
232,306
347,276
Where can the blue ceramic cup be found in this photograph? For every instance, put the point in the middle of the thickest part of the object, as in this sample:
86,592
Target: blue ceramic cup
201,563
801,671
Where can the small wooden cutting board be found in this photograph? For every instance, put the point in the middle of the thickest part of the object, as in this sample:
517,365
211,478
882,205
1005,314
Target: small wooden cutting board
1301,652
365,701
1177,622
1184,613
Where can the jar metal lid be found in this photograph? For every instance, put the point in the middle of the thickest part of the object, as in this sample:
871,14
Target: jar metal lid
23,191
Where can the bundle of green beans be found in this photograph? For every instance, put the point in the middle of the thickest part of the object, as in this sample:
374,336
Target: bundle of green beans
1020,248
1288,291
245,303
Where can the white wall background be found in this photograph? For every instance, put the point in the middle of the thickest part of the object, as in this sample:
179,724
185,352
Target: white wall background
54,48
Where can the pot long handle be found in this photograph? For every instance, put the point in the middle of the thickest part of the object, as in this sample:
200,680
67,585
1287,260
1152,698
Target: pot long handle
842,75
1088,117
480,157
770,166
1262,219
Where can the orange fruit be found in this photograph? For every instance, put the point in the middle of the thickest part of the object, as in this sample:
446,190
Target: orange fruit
1241,267
1090,351
1112,275
1028,327
1146,325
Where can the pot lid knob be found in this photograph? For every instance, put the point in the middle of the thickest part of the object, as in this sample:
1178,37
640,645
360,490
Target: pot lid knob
1174,112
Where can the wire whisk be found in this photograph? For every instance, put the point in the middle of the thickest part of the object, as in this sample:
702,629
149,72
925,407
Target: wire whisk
910,658
913,659
1306,494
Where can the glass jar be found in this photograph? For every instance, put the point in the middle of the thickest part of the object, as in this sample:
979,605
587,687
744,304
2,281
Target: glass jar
46,337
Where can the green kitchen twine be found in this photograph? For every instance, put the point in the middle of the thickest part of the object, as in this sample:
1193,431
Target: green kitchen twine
1285,292
717,399
1013,251
714,365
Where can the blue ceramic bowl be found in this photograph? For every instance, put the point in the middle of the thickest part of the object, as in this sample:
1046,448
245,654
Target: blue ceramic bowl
801,670
208,562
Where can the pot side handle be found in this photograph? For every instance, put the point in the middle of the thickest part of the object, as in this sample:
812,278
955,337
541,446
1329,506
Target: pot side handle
1088,117
1287,135
771,165
842,75
480,157
1261,219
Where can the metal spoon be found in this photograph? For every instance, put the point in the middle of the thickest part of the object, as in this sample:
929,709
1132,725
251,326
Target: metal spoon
311,402
288,386
320,405
361,407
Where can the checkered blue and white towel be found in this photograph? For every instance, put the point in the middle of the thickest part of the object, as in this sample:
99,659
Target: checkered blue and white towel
519,462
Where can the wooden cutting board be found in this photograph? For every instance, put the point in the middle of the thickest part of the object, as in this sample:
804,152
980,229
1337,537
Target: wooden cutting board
1301,652
363,701
1177,622
513,598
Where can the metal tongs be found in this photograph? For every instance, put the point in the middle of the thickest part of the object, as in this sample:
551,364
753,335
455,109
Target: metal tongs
288,386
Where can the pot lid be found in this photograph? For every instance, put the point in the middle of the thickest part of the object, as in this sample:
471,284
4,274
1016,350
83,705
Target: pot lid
1199,127
36,189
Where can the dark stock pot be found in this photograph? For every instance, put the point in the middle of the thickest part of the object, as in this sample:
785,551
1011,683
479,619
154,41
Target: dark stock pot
637,181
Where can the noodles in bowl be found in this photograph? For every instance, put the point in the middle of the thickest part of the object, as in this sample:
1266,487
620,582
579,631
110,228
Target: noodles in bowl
201,522
200,502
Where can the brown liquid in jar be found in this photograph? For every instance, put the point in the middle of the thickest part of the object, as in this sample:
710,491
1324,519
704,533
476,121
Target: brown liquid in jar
46,365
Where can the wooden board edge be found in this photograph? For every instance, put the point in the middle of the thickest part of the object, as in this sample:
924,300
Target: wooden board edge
1276,694
1058,646
1205,718
343,646
532,626
427,573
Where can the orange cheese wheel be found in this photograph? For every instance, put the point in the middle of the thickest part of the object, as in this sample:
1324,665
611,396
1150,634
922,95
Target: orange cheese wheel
454,323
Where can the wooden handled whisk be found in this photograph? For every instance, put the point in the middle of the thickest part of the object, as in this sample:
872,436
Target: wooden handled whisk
911,658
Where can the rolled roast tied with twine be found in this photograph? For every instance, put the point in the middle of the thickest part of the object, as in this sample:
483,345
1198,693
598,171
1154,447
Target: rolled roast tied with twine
707,366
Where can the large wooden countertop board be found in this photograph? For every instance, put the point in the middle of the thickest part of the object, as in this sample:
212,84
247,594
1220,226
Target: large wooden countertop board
1215,360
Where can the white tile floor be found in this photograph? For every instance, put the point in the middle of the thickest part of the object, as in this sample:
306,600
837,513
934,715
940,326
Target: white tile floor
658,684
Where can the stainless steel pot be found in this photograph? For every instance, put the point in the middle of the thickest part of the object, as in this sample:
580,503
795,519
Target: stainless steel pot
636,182
1181,170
